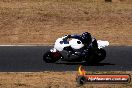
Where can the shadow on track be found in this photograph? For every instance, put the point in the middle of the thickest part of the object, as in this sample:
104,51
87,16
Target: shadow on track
86,64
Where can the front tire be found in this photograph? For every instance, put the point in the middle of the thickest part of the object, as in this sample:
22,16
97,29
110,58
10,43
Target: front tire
51,57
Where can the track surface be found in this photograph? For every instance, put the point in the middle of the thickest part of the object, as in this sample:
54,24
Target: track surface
29,59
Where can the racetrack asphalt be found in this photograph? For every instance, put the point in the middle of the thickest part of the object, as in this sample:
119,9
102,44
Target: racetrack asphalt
30,59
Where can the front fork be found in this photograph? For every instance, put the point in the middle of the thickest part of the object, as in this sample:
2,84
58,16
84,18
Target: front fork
53,50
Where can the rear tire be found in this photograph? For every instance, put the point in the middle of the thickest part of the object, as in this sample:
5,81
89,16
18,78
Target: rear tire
100,55
96,56
51,57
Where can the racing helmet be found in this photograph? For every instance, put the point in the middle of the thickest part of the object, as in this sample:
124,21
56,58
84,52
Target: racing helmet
86,38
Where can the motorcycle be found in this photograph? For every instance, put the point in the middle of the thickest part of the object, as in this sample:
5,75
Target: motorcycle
72,50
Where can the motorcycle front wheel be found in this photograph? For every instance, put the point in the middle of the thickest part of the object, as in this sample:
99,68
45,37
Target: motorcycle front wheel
51,57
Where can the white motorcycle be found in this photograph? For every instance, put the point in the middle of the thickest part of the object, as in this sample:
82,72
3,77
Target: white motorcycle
73,51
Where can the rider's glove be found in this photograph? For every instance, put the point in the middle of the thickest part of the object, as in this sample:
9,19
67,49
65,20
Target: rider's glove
68,36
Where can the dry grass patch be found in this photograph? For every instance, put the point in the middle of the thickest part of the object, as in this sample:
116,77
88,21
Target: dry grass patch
53,80
42,21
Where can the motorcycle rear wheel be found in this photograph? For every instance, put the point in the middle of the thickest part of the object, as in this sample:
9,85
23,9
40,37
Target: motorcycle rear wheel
96,56
100,55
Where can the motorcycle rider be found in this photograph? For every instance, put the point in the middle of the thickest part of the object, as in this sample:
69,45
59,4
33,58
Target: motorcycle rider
86,39
89,42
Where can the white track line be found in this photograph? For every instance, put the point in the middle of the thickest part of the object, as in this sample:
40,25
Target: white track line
26,44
